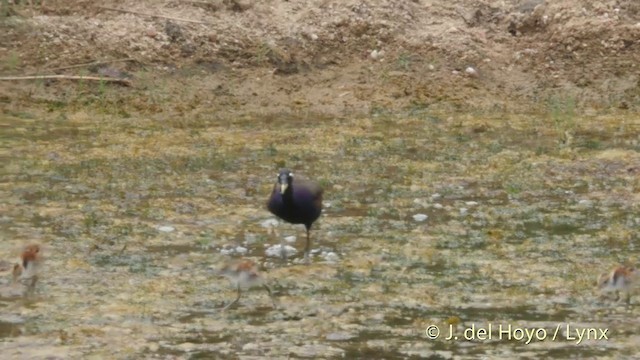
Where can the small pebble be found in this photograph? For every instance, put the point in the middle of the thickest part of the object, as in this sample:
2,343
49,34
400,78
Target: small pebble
375,54
290,239
331,256
471,71
340,336
241,250
276,251
151,33
420,217
269,223
166,228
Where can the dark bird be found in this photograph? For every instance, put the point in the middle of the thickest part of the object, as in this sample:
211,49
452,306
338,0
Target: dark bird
296,201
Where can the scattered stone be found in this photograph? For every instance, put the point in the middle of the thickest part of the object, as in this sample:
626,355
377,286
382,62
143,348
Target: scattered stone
585,202
238,250
166,228
290,239
276,251
316,351
151,33
330,256
471,71
375,54
269,223
420,217
340,336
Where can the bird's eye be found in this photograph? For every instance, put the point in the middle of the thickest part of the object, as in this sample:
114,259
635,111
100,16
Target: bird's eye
291,174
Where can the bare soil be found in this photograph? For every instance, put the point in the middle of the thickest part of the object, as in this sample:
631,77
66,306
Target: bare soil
332,57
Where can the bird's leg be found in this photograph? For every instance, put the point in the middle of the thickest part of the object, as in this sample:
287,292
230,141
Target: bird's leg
273,300
34,280
283,249
31,284
283,252
234,301
307,248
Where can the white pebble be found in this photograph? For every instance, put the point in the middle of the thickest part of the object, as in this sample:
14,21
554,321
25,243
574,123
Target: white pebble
269,223
238,250
314,37
420,217
250,238
471,71
331,256
438,206
276,250
464,211
584,202
471,203
375,54
166,228
436,196
290,239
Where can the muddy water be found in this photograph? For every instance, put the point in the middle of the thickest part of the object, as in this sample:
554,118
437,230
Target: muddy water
522,214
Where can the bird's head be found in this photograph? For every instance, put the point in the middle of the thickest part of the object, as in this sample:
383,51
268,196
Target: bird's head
285,178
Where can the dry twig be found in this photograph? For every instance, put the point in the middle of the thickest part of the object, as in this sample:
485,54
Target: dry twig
90,64
153,15
125,82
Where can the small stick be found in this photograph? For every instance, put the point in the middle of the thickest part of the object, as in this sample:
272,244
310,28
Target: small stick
123,249
153,15
90,64
68,77
200,2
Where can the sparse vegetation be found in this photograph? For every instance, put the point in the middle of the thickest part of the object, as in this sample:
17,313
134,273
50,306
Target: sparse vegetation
135,190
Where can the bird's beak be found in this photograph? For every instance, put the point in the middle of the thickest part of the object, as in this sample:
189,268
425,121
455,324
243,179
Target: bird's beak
283,188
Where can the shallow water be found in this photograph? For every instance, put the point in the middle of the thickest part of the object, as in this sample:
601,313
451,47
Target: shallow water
134,213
